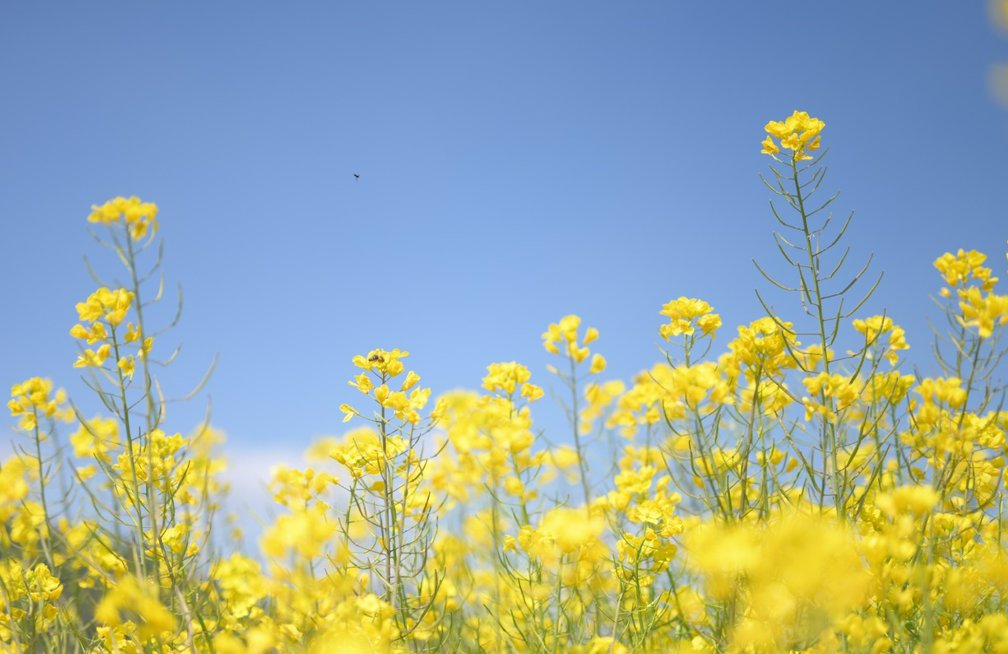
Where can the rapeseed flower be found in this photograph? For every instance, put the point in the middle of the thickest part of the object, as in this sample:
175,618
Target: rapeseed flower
799,133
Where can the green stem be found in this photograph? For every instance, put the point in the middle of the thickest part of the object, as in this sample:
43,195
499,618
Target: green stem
829,429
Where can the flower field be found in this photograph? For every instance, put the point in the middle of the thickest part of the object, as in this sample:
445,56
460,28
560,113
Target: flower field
787,485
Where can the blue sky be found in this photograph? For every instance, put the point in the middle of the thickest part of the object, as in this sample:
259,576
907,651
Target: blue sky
517,162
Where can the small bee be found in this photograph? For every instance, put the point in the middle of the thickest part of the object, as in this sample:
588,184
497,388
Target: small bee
375,358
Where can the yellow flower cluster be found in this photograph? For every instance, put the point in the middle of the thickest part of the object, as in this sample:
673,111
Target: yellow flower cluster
763,348
134,604
104,310
964,268
139,217
96,438
33,399
783,577
685,314
506,377
980,307
875,326
983,311
565,333
841,389
29,597
381,367
799,133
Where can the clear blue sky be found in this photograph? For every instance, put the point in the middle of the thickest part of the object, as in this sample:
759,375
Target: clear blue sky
518,161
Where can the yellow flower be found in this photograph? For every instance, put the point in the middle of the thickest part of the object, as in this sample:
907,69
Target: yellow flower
505,377
132,333
531,392
127,365
565,331
91,335
135,600
96,438
983,311
104,304
385,362
913,500
684,313
963,267
139,217
95,358
598,364
874,326
362,383
568,529
799,133
348,412
33,398
411,380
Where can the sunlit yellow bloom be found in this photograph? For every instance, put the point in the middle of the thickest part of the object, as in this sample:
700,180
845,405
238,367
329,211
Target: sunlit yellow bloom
505,377
127,365
531,392
348,412
411,380
873,328
565,331
985,311
915,500
566,529
105,304
385,362
145,347
296,489
96,438
34,398
362,382
96,332
132,333
799,133
138,216
131,599
93,358
685,314
964,267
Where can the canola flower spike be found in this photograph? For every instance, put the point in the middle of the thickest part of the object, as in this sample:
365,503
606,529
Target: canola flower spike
982,311
965,267
34,398
139,217
874,327
507,377
106,305
799,133
973,283
685,314
383,362
565,332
